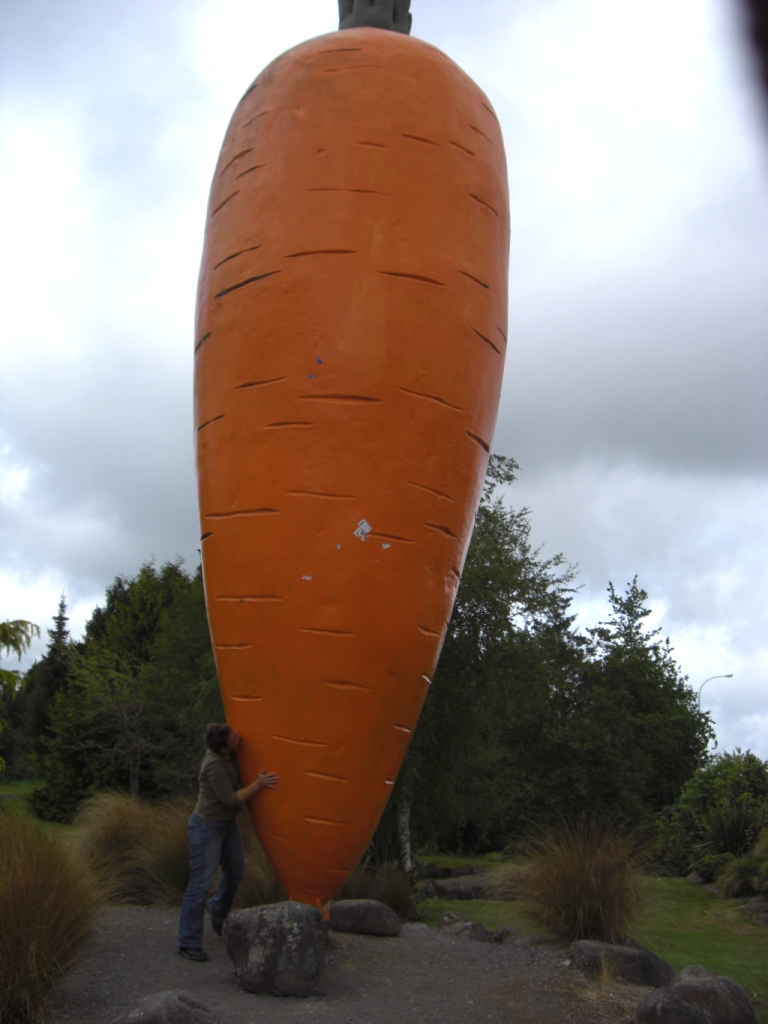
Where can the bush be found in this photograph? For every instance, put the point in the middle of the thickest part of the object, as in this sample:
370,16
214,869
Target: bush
504,882
583,882
710,867
721,809
761,846
741,877
140,851
388,883
47,908
733,829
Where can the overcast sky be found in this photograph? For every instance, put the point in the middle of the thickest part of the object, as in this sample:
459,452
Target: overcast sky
635,387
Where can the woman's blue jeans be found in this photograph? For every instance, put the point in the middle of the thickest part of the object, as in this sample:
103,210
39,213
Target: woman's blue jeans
211,843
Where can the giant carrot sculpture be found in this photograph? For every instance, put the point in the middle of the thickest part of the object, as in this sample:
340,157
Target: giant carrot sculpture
350,344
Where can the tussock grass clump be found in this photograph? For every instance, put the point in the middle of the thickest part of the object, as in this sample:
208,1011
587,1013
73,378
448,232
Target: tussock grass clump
260,884
583,881
504,882
741,877
140,851
47,907
388,883
733,829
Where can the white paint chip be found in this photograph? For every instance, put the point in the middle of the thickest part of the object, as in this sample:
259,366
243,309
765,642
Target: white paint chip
385,546
306,577
363,529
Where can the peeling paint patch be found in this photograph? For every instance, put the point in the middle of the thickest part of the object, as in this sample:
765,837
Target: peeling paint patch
363,529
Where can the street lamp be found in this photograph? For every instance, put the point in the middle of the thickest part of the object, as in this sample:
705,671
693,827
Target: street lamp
729,676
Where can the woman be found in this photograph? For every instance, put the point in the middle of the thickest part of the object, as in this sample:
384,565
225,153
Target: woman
214,838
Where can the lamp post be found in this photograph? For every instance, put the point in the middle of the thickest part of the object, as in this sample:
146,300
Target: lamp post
729,676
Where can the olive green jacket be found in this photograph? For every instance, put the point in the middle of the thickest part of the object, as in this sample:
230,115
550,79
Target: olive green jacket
219,782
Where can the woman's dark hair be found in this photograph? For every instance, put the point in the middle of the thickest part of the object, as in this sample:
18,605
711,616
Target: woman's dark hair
216,735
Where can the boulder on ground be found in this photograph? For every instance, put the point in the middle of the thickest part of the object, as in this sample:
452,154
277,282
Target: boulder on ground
662,1007
638,966
364,917
278,949
173,1007
688,973
721,999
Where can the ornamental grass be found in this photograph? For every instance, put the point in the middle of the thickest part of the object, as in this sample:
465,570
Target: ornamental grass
140,851
48,903
583,881
388,883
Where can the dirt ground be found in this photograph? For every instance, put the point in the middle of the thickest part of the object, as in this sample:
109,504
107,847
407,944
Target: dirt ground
422,976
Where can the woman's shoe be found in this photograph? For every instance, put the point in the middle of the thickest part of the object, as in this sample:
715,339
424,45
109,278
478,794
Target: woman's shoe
193,954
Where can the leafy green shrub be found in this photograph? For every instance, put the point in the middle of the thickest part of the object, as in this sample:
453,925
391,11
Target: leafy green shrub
710,867
47,908
761,846
583,882
741,877
388,883
721,809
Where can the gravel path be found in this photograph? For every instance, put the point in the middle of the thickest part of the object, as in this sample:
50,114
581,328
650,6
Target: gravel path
422,976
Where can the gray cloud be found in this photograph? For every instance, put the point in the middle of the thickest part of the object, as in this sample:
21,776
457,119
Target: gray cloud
635,383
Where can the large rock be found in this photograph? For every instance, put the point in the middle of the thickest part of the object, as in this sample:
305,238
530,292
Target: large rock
721,999
639,966
662,1007
173,1007
278,949
364,917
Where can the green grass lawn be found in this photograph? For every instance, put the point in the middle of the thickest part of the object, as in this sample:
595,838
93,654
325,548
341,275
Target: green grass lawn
683,923
449,860
15,796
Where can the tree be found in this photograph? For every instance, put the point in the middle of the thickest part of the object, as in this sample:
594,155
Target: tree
43,681
15,638
140,689
528,720
506,590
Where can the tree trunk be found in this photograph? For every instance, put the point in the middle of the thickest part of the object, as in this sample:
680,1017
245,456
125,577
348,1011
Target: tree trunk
404,827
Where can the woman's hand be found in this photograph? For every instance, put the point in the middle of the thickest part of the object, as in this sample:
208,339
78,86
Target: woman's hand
264,780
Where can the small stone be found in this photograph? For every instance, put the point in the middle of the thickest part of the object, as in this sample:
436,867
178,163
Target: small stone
638,966
662,1007
172,1007
447,919
364,917
417,930
278,949
722,999
469,930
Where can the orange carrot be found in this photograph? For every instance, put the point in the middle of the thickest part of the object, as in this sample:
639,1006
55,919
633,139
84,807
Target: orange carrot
350,343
